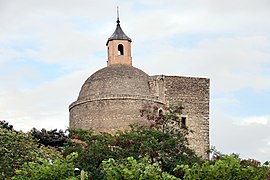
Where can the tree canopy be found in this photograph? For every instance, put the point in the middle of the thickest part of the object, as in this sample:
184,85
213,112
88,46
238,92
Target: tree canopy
17,148
52,138
160,151
169,149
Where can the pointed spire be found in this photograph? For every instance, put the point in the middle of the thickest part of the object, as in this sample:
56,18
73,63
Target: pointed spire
118,33
118,21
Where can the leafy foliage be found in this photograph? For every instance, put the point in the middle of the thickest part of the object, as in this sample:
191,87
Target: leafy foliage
164,141
53,138
17,148
158,152
169,149
130,168
227,168
44,169
6,125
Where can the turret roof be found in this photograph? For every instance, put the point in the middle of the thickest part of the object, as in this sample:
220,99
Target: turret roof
118,34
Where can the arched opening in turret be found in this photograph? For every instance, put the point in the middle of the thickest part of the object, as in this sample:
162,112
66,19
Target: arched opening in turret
160,112
120,49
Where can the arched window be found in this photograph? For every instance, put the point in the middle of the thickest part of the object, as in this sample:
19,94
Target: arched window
120,49
160,112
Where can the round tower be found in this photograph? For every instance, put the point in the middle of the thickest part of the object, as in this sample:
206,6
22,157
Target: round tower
111,98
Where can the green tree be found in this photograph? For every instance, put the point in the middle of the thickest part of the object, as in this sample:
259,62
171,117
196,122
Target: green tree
92,150
131,169
45,169
6,125
52,138
139,142
229,167
17,148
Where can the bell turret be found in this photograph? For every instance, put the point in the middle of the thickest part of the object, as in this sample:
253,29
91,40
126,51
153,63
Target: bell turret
119,46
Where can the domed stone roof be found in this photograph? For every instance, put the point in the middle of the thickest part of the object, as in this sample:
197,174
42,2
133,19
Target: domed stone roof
116,80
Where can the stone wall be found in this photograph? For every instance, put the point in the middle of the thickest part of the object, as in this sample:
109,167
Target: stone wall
110,113
193,94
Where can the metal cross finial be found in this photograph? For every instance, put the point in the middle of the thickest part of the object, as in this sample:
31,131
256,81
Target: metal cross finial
118,21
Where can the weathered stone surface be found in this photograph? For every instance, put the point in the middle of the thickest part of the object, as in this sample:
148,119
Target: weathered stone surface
111,99
116,79
193,94
108,113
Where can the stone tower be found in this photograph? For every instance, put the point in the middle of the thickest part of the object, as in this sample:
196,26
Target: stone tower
111,98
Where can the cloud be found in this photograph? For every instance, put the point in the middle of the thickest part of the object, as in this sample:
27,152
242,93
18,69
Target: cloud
232,63
251,139
42,106
263,120
247,17
45,106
